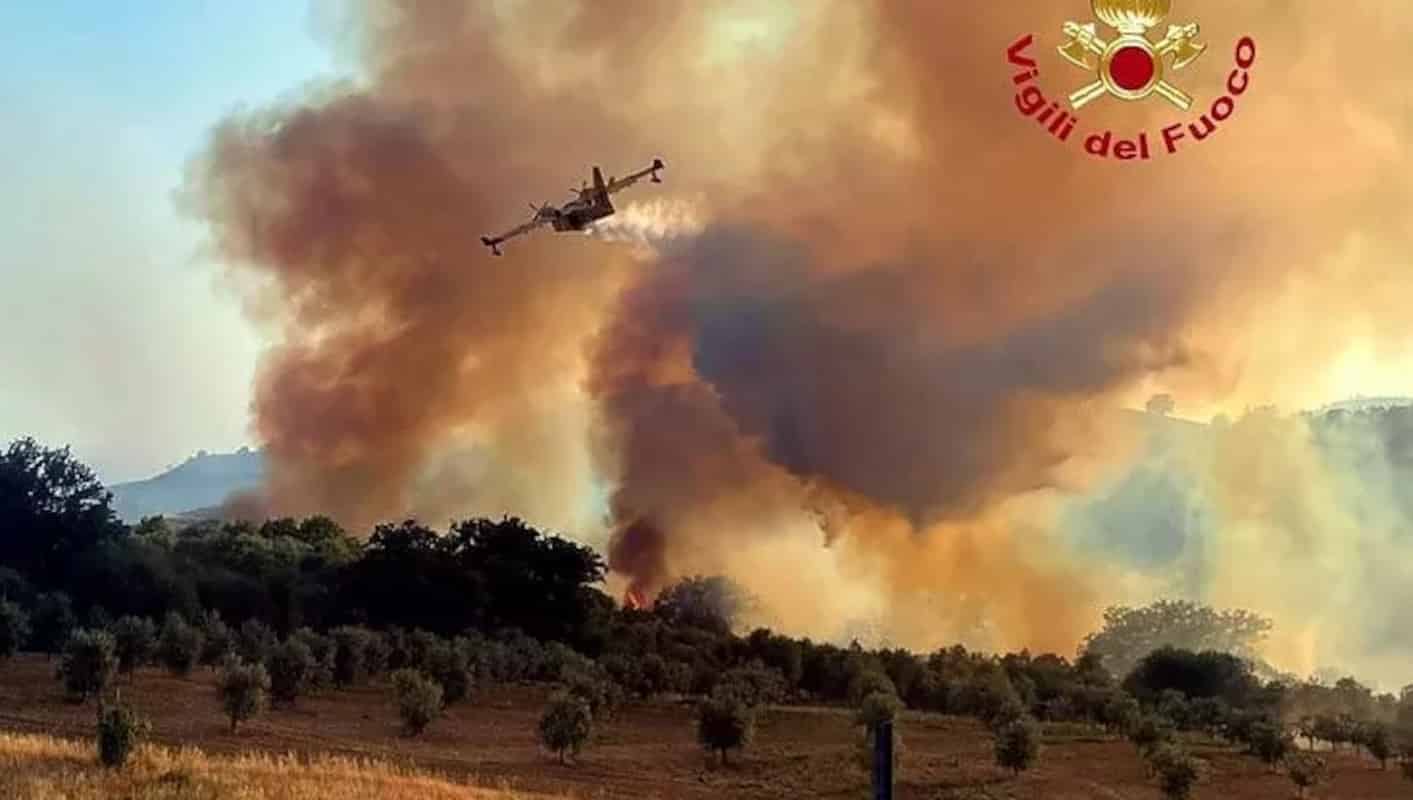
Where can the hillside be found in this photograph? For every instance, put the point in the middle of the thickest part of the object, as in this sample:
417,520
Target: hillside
203,480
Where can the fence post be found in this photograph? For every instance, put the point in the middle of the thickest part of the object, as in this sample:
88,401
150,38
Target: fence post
883,761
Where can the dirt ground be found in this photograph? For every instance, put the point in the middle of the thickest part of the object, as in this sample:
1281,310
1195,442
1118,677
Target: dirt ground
649,751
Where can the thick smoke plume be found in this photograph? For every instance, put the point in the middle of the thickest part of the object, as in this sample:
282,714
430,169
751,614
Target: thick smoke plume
863,371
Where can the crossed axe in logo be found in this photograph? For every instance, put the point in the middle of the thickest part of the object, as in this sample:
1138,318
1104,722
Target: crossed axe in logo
1130,67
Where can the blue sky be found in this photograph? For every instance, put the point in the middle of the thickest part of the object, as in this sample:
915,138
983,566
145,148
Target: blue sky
115,336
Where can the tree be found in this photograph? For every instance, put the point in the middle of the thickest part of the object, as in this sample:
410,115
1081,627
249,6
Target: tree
724,722
53,508
136,638
290,666
449,664
1129,634
88,664
710,603
119,731
1018,745
52,622
1177,771
254,641
869,682
1379,742
178,645
1305,770
351,655
1149,732
321,651
878,708
1270,743
419,700
14,629
243,689
566,724
216,639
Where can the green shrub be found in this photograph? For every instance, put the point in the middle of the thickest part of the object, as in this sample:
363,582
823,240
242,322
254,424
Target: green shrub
52,622
1149,732
244,690
566,724
1305,770
217,641
88,664
1177,771
119,731
419,700
254,641
290,666
866,683
14,629
877,708
725,722
450,666
351,655
136,638
321,652
179,645
1270,743
1017,745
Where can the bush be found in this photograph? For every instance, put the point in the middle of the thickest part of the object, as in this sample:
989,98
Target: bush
351,655
321,652
290,666
14,629
868,682
758,685
1018,745
1177,771
88,664
1305,770
244,690
1119,712
1011,710
1270,743
419,700
119,731
216,639
179,645
377,655
877,708
566,724
136,638
1379,742
725,722
450,666
254,641
52,622
1149,732
601,694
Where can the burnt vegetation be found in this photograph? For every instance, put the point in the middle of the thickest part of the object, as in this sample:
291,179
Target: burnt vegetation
291,608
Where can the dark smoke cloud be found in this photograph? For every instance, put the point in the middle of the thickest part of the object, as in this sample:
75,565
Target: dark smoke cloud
905,309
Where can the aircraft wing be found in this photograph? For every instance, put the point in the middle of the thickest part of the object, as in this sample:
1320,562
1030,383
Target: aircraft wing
494,242
619,184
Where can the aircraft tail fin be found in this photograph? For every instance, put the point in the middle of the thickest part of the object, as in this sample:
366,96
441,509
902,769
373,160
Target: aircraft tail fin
599,185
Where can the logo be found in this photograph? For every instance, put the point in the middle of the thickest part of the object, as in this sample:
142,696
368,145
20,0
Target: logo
1128,65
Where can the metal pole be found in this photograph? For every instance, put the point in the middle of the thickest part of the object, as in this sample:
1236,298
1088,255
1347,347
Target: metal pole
883,761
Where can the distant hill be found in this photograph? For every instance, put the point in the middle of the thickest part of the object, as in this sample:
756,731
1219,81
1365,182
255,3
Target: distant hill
202,481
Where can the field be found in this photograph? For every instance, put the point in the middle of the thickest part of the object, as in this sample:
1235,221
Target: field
648,751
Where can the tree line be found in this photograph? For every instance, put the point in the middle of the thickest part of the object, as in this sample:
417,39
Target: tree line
291,607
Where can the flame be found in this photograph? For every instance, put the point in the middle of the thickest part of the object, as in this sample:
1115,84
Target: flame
634,599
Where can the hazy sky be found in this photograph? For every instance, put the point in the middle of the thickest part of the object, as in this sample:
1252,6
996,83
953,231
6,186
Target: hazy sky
100,106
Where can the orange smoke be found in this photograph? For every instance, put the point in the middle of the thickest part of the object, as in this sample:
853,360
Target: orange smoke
900,308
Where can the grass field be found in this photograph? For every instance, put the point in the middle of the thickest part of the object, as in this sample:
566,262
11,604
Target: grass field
646,752
34,767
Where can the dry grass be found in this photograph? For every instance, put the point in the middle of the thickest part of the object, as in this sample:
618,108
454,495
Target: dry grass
45,768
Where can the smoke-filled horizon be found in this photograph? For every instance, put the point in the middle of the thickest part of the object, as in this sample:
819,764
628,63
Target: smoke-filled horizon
861,365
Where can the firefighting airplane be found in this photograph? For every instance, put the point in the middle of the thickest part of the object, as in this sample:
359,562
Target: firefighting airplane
590,205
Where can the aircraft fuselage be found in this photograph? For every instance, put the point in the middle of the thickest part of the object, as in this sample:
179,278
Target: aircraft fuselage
577,216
